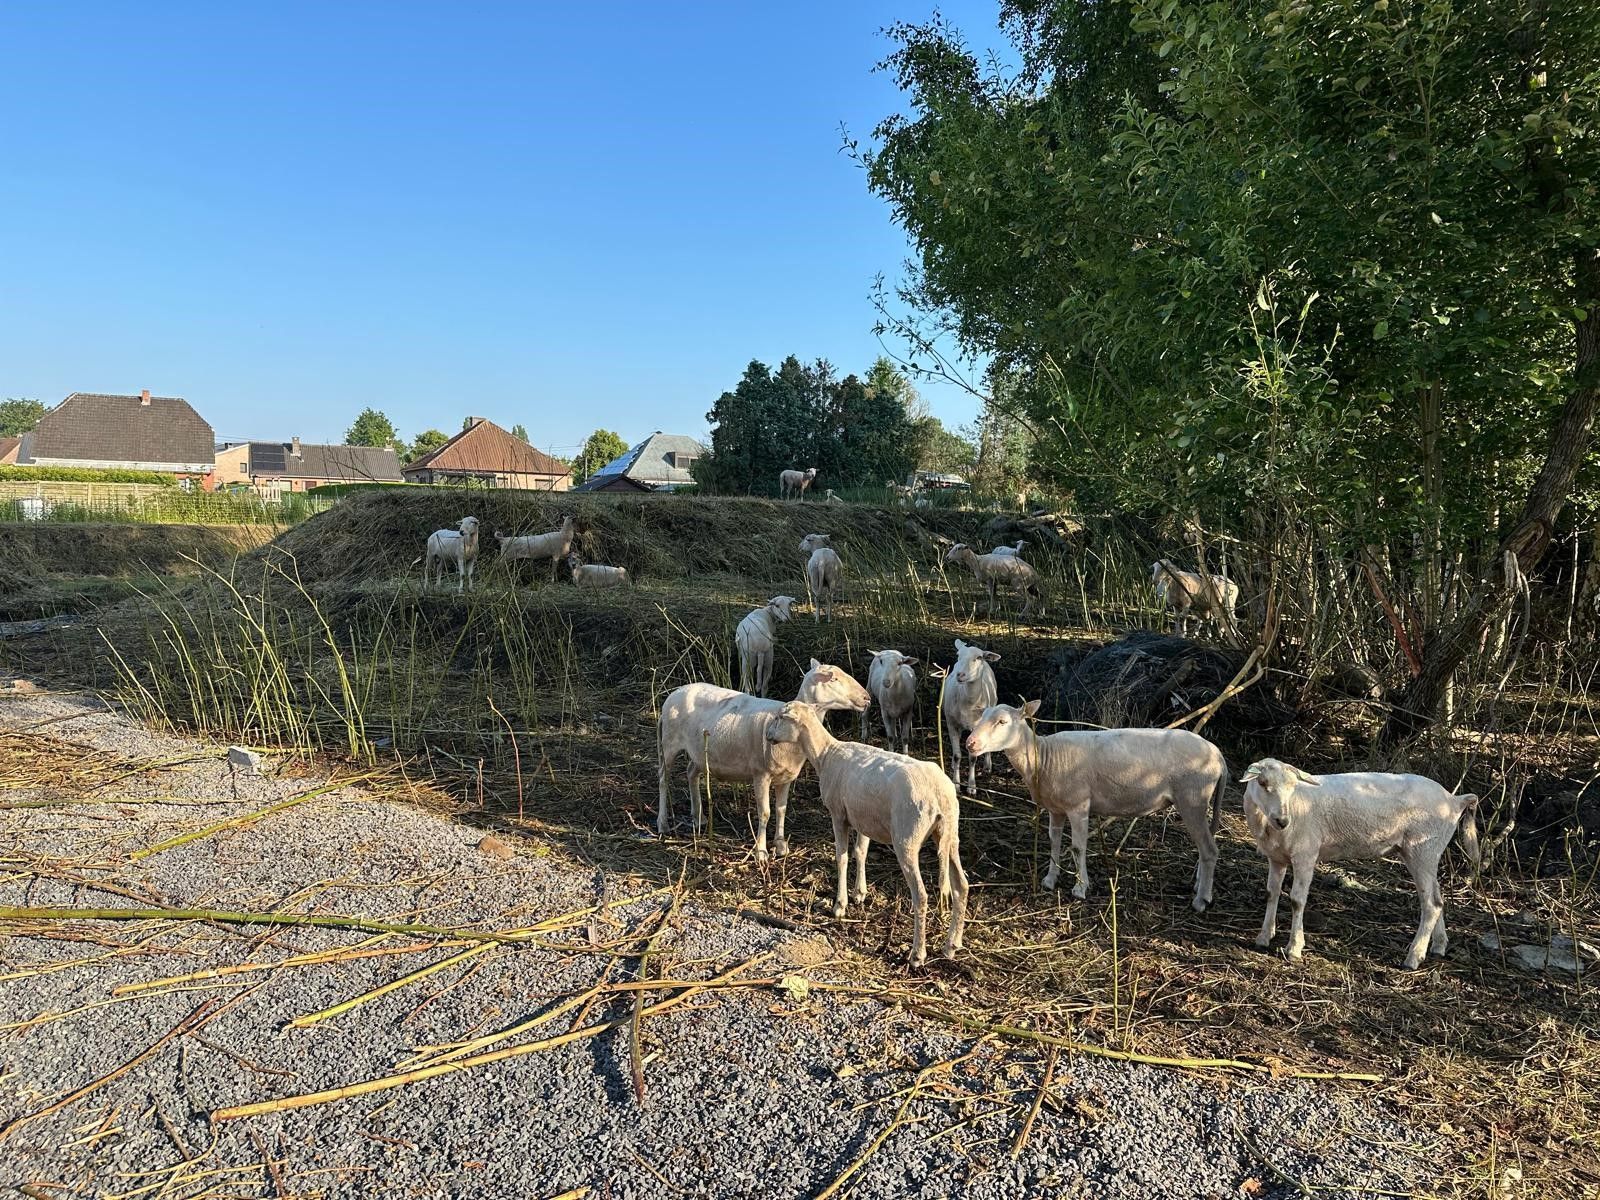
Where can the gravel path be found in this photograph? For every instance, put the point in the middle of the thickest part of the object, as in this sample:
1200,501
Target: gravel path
749,1092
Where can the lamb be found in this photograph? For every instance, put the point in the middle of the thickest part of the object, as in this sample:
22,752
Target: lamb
795,482
594,575
459,546
554,545
1114,773
1297,819
883,797
1010,551
990,569
892,680
831,498
755,636
823,572
969,688
1211,596
723,733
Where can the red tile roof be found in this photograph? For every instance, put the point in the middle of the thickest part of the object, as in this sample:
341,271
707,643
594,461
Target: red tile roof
487,447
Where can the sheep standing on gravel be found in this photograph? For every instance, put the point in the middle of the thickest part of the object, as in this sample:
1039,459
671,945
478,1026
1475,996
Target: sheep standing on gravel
1297,819
795,482
884,797
990,569
969,688
459,546
892,680
1112,773
595,575
755,637
723,733
1210,596
554,545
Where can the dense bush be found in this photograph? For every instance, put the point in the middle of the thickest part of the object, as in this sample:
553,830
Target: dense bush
84,475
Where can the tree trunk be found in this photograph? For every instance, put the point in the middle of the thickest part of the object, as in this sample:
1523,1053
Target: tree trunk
1418,705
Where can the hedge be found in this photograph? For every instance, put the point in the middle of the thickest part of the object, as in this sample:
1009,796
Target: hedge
85,475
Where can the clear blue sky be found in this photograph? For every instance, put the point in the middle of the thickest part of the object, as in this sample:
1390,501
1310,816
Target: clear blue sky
566,215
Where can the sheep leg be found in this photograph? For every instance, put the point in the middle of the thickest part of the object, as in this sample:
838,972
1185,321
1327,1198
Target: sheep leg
1079,817
909,853
1424,865
859,894
1058,822
1269,922
1305,867
663,809
763,789
1195,821
958,904
841,857
972,774
1440,941
953,736
780,804
696,775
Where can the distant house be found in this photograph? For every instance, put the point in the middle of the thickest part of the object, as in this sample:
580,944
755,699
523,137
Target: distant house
9,446
660,463
485,453
140,433
273,468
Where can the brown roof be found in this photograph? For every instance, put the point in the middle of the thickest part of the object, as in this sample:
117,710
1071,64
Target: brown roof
95,427
8,449
487,447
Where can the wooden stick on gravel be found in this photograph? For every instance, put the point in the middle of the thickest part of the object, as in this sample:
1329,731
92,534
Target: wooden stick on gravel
228,917
1021,1144
392,986
386,1082
248,818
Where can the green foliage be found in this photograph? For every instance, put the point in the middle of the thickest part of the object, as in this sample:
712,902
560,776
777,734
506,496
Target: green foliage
1318,251
600,448
426,442
85,475
19,416
372,428
520,431
935,448
805,416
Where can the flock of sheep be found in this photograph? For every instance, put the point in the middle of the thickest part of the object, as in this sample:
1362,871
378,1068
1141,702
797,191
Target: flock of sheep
887,795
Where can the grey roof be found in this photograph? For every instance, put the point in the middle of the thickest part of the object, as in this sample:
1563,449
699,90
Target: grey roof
98,427
648,463
349,464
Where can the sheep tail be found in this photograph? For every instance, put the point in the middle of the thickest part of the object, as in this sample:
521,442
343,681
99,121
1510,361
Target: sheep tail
1217,794
1469,829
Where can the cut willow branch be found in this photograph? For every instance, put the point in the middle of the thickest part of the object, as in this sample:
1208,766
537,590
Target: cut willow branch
224,916
247,818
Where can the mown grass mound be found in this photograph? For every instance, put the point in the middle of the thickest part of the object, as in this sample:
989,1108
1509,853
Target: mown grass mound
34,550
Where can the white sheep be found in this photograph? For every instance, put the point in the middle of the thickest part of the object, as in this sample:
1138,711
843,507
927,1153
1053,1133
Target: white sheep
830,497
755,637
969,688
1010,551
1297,819
990,569
1211,596
1112,773
823,573
884,797
892,680
554,545
812,541
458,546
723,733
595,575
795,482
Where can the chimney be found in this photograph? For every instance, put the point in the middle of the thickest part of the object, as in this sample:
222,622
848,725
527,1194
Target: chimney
471,421
294,447
144,398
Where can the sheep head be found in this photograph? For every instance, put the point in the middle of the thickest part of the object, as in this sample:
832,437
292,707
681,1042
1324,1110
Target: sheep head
1272,784
1001,728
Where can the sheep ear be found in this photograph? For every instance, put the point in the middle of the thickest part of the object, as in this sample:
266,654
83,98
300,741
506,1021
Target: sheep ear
1301,777
909,662
991,656
874,653
1251,775
815,665
1030,708
960,645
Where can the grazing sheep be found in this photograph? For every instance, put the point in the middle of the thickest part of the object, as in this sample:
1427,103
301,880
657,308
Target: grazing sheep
755,638
795,482
1010,551
1297,819
990,569
884,797
723,733
892,680
1112,773
969,688
594,575
554,545
459,546
1211,596
823,572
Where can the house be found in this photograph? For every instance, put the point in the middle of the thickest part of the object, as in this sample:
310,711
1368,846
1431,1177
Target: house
484,453
138,433
9,446
660,463
273,468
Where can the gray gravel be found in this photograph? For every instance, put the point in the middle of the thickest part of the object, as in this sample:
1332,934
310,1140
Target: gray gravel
752,1093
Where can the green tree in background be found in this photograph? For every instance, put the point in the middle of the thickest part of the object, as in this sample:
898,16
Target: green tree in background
519,430
19,416
599,448
372,428
425,442
1318,263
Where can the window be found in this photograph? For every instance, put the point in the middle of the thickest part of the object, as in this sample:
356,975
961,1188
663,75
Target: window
681,460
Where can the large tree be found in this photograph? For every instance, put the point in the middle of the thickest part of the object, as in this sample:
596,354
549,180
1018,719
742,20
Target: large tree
425,442
599,448
1313,257
372,428
19,416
